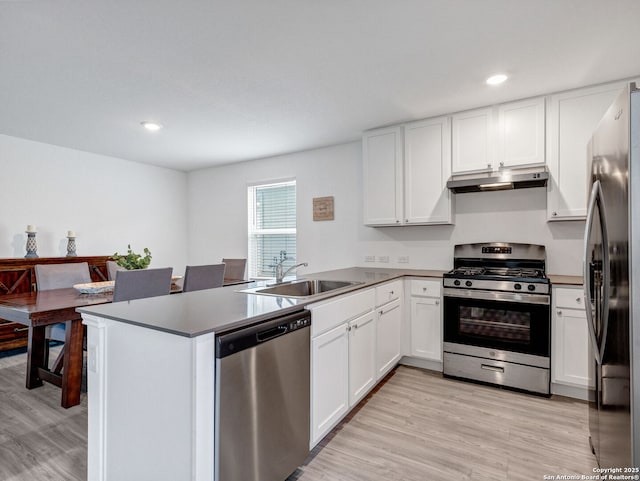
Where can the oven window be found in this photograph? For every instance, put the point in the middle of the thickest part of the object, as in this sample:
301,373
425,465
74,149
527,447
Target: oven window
498,324
494,324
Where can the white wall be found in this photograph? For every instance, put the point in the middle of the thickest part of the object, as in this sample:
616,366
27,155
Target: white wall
108,202
218,206
218,217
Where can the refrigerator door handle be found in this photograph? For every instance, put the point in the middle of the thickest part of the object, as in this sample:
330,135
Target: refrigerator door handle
596,193
606,272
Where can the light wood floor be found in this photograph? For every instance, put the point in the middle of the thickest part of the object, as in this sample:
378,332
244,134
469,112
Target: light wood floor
416,426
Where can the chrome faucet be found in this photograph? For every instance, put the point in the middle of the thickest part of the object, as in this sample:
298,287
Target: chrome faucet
280,275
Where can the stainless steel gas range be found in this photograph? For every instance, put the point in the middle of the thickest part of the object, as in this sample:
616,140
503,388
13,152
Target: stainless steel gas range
497,316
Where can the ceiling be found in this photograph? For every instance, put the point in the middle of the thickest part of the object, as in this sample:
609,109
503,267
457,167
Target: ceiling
242,79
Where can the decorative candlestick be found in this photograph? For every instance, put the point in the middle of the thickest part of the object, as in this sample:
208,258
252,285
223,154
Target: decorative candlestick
32,246
71,244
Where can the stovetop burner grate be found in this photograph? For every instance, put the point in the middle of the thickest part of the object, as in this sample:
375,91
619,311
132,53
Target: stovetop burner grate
502,272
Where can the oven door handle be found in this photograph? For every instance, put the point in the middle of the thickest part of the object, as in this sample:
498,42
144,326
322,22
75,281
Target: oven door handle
496,296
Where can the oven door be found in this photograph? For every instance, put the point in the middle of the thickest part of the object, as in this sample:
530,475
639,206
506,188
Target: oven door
517,322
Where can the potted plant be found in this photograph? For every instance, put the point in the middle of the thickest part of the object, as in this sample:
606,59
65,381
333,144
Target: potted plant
132,260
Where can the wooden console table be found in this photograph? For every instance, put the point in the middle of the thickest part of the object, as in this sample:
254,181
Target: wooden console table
17,276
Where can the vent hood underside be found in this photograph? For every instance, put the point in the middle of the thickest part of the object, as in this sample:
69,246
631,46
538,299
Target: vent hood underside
505,179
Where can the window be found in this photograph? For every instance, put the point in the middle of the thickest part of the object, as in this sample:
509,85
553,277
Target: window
272,226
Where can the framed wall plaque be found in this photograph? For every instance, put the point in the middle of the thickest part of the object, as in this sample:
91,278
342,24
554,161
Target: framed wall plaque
323,208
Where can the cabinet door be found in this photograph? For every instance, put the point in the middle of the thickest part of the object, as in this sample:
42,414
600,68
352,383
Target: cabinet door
382,157
426,328
473,140
427,167
362,356
571,348
521,133
329,380
572,117
389,334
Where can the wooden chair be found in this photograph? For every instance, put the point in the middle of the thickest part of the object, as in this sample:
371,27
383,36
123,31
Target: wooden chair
141,283
203,277
235,268
59,276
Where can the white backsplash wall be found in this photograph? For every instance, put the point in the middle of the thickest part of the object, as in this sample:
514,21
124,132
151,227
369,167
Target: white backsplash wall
503,216
108,202
218,217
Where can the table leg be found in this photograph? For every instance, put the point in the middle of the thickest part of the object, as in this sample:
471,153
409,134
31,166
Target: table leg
72,363
35,356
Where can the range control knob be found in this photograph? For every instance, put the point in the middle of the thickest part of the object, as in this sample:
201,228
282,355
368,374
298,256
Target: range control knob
531,287
517,287
456,282
468,283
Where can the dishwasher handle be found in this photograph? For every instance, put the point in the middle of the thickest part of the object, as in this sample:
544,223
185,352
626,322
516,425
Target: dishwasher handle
268,334
261,332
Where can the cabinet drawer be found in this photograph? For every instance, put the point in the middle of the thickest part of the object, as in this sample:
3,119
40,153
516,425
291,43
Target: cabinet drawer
425,288
328,314
569,298
388,292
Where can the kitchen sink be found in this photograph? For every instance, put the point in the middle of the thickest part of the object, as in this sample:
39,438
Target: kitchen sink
301,289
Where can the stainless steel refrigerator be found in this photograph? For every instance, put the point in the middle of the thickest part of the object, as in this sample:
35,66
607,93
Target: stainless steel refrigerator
612,283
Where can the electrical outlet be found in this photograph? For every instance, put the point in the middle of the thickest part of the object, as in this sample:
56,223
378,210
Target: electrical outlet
384,259
403,259
369,258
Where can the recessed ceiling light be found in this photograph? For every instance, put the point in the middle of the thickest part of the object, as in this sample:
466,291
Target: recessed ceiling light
497,79
152,126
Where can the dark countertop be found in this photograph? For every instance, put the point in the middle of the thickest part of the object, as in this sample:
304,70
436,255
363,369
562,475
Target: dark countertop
223,309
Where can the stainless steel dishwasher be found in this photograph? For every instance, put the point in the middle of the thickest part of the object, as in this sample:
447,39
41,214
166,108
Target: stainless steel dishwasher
262,400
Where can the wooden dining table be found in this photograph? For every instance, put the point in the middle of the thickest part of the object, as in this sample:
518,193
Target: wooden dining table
39,309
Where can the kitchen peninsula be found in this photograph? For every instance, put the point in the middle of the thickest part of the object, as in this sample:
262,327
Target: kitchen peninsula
151,373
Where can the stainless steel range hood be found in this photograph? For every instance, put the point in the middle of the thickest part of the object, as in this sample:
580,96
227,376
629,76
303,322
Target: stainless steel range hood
504,179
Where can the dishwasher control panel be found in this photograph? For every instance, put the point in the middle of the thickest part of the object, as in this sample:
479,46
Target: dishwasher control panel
299,323
251,336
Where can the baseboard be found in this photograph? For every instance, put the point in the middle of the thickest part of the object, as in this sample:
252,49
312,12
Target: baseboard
570,391
421,363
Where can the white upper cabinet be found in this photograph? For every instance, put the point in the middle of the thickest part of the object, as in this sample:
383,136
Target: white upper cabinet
508,135
521,133
427,167
473,140
406,169
572,118
382,153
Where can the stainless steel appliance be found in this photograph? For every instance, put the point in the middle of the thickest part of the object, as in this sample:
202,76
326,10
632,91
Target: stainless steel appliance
262,400
497,316
612,234
504,179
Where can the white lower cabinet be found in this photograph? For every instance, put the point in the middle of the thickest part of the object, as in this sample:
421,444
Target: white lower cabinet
362,356
389,336
329,380
426,320
570,343
342,357
426,328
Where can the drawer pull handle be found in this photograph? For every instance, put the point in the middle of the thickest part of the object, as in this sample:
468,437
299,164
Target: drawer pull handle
559,313
487,367
578,300
20,329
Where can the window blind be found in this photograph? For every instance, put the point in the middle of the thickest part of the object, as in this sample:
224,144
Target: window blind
272,226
